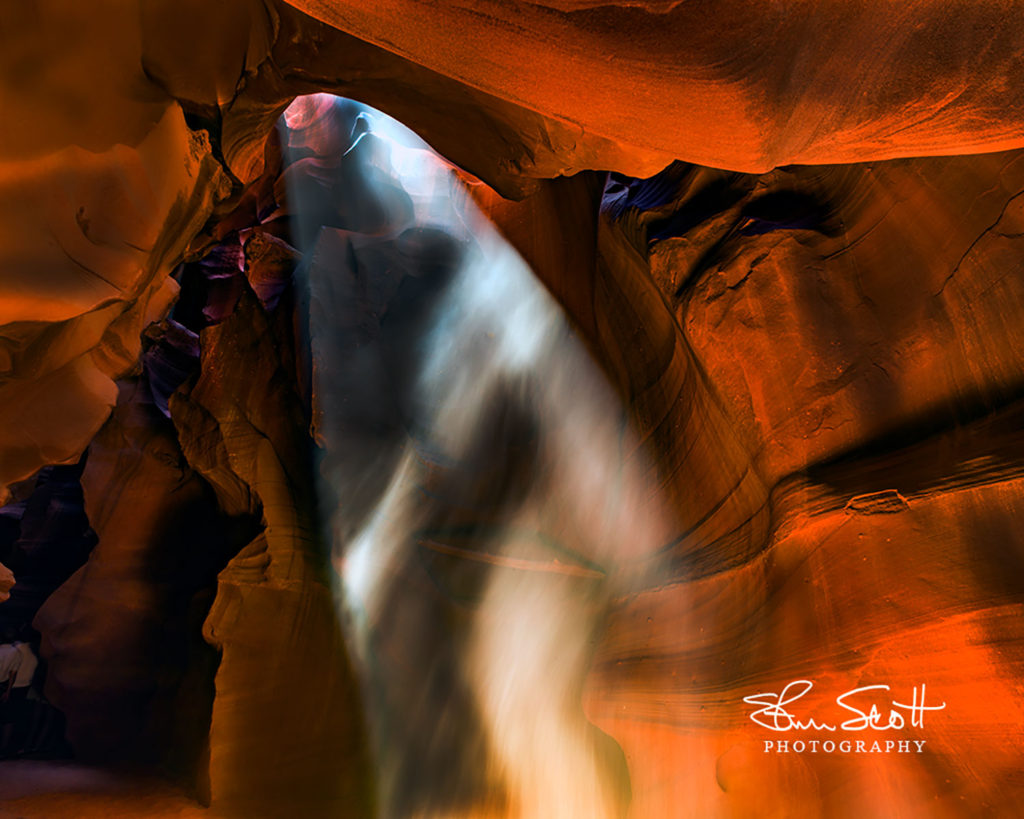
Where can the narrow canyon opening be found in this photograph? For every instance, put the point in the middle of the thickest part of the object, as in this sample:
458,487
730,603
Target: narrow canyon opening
367,418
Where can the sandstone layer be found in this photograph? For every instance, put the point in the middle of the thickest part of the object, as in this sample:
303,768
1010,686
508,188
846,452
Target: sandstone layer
791,237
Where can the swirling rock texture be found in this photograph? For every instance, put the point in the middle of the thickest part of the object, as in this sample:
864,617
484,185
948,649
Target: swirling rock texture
890,556
821,357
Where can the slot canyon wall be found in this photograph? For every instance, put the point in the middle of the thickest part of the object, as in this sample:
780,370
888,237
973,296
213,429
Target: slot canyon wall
792,238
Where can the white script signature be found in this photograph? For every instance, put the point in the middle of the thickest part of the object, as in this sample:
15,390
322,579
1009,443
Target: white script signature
773,714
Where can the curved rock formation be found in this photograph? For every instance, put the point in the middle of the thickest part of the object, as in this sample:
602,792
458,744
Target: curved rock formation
890,556
121,636
107,203
736,85
822,360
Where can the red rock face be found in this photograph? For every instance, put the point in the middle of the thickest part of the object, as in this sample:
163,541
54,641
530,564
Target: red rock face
843,282
733,86
813,318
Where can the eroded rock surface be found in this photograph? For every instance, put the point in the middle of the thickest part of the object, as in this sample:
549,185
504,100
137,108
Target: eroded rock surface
121,636
286,727
823,359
